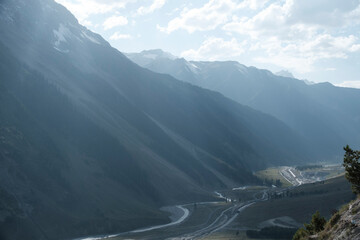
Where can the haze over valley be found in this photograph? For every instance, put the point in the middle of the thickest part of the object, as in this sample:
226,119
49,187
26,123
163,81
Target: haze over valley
96,143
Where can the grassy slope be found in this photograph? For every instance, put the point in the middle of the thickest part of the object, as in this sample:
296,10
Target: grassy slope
272,174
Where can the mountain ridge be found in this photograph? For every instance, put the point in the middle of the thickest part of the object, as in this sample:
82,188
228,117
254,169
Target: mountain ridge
309,109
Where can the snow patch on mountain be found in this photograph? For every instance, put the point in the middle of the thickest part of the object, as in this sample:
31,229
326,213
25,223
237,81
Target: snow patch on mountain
92,39
192,67
157,53
151,56
285,73
241,68
308,82
61,36
5,14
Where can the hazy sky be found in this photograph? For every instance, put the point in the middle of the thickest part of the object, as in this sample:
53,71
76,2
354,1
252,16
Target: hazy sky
318,40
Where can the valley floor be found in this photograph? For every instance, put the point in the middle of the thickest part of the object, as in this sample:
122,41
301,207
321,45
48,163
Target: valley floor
254,208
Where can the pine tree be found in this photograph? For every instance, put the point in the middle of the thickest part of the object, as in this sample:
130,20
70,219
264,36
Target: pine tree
301,234
317,223
352,168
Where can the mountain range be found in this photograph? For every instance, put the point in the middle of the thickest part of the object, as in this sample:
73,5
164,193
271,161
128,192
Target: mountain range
326,116
92,143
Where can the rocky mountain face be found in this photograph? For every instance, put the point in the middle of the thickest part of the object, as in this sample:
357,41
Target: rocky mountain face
326,116
91,143
344,224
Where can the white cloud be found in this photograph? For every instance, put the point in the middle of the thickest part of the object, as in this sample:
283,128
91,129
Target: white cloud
349,84
300,55
300,65
253,4
296,34
83,9
271,21
114,21
215,49
118,36
355,48
327,46
155,5
354,16
87,23
292,19
208,17
323,13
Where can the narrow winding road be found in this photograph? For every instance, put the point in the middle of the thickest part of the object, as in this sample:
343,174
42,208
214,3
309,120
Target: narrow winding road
223,220
178,221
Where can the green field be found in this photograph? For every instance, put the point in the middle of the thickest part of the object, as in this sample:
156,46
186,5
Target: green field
272,174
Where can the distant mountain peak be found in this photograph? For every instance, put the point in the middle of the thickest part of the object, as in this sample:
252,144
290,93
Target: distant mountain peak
157,53
308,82
285,73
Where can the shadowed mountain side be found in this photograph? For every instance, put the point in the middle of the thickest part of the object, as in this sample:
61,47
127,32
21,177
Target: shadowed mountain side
92,143
325,115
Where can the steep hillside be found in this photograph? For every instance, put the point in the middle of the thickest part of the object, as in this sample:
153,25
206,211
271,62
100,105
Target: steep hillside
62,175
326,116
92,143
344,224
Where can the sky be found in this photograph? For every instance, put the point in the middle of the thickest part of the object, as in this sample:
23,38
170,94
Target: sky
316,40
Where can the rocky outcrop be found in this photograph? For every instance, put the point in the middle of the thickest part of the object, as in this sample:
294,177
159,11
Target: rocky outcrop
343,225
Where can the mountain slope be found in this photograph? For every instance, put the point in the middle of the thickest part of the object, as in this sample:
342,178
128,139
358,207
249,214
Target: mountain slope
326,116
92,143
344,225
